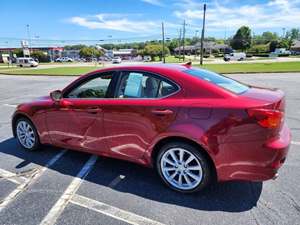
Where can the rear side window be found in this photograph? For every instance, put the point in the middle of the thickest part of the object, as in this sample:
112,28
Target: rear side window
219,80
144,85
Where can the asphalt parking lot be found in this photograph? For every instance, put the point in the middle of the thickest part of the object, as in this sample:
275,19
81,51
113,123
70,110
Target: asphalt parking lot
59,186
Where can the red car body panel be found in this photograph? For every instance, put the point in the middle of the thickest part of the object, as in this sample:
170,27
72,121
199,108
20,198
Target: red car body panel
129,129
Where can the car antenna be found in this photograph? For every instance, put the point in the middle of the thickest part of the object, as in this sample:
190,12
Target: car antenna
188,64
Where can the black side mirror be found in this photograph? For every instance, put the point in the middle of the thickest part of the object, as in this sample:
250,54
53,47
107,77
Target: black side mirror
56,95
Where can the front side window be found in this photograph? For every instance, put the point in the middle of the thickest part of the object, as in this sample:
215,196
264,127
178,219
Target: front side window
144,85
93,88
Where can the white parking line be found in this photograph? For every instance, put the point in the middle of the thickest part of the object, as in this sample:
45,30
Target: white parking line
10,105
24,185
11,177
112,211
62,202
295,142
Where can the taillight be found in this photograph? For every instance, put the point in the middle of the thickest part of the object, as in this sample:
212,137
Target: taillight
268,118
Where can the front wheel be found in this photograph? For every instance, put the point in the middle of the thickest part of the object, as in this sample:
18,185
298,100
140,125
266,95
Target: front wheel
27,135
183,167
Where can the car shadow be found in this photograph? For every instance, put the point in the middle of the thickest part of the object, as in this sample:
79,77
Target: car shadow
144,182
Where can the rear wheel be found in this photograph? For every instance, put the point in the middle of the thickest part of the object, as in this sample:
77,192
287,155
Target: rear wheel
183,167
27,135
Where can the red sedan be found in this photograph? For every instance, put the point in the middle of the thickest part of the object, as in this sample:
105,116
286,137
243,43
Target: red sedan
192,125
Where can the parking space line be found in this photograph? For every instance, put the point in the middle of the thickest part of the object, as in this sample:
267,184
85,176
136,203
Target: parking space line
59,206
11,176
112,211
295,142
116,181
33,177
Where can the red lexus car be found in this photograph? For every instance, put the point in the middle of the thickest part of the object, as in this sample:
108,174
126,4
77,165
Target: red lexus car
194,126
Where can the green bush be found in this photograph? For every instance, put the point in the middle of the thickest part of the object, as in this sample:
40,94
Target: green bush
41,56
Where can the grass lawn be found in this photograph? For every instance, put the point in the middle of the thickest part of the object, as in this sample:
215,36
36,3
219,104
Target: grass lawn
220,68
254,67
51,71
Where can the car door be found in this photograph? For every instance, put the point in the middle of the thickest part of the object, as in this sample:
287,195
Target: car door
137,114
76,121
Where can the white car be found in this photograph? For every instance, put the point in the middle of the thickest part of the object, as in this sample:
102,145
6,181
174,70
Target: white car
116,60
26,62
64,59
235,56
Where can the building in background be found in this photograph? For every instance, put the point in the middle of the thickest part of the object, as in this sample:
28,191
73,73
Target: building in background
123,53
209,47
52,52
295,48
72,53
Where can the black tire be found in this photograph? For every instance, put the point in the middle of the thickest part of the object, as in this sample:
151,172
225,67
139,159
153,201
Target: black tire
207,171
37,143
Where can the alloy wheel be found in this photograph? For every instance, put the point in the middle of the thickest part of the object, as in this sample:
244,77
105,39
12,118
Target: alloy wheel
25,134
181,168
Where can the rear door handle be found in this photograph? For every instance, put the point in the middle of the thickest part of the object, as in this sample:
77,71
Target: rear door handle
93,110
162,112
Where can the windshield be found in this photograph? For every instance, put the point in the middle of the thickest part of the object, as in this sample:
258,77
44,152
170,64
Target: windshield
221,81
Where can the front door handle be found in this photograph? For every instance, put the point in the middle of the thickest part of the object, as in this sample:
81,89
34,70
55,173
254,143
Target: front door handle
161,112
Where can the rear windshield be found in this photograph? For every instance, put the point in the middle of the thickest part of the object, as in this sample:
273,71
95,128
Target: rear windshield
221,81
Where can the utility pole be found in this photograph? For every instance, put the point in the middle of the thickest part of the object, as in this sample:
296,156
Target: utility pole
183,40
202,36
163,42
179,43
29,38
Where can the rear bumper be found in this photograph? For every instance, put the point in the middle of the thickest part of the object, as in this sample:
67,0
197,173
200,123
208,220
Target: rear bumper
257,161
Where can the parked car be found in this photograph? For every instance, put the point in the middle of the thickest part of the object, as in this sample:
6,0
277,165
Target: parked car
147,58
64,59
235,56
116,60
26,62
192,125
282,51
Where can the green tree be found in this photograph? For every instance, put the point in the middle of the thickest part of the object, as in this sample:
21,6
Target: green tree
74,47
90,52
154,50
273,45
18,52
293,34
242,39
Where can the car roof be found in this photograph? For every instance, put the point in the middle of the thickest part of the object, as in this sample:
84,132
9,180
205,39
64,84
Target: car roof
147,67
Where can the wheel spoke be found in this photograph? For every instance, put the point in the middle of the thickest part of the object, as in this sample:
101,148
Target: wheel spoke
169,161
173,175
180,179
173,156
181,153
169,169
196,178
190,159
187,179
194,168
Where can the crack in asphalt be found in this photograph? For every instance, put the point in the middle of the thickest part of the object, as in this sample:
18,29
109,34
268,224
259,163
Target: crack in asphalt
291,199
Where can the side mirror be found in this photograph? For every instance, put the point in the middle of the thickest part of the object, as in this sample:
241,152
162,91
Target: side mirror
56,95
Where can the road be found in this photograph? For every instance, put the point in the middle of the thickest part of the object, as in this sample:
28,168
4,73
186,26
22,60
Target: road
57,186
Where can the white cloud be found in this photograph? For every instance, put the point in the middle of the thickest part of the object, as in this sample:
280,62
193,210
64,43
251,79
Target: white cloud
153,2
119,22
231,15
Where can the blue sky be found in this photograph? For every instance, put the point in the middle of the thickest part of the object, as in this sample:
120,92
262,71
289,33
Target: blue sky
126,19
